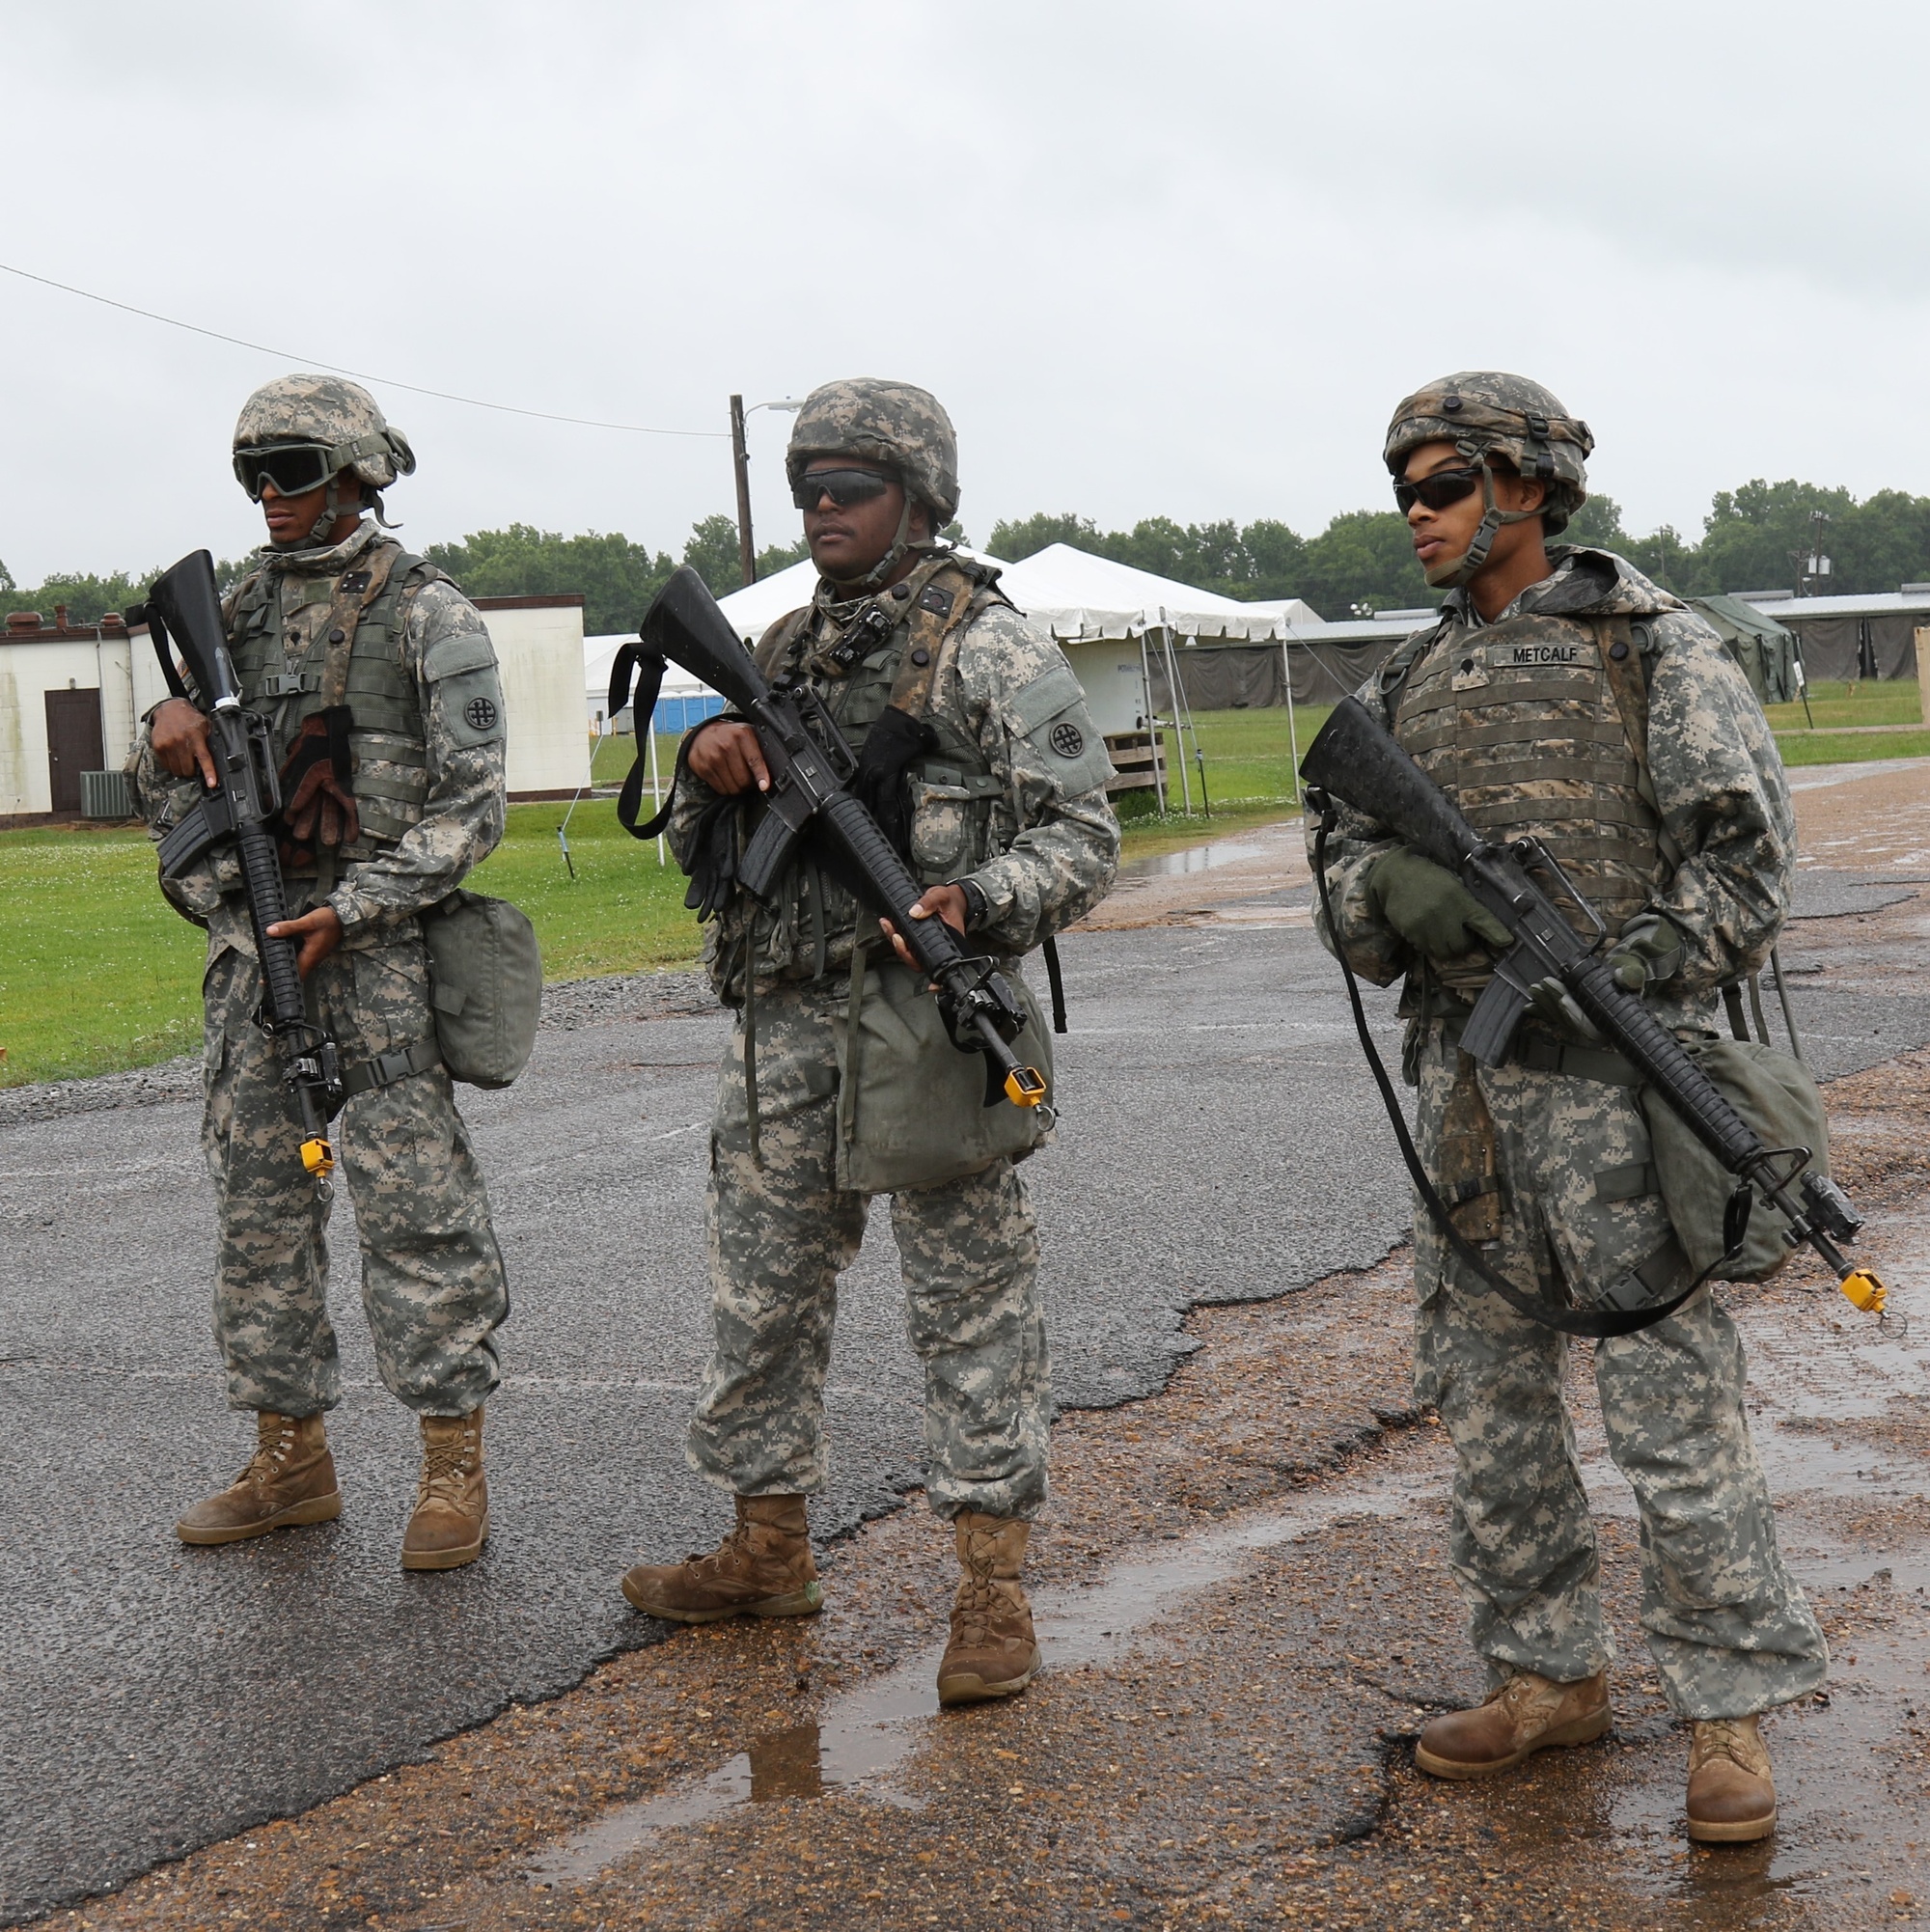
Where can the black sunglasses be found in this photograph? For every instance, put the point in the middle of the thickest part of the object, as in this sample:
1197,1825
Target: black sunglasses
842,487
1438,491
294,468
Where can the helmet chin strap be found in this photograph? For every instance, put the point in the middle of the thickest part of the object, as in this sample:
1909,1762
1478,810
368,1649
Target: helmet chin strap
874,579
332,506
1467,566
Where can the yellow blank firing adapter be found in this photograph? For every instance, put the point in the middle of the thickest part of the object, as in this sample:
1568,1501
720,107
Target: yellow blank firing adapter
1024,1087
1864,1290
318,1158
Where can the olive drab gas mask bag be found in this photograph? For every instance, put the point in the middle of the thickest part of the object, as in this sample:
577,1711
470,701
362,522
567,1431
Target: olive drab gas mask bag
1778,1097
911,1107
485,986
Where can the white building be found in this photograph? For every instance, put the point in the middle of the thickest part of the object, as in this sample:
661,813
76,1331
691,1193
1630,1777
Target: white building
71,698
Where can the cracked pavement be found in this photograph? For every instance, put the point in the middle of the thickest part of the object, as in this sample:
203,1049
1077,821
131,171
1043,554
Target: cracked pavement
1245,1612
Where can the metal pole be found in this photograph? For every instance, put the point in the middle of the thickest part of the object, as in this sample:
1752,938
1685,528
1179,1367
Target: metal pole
740,456
1152,725
1179,729
1292,735
656,783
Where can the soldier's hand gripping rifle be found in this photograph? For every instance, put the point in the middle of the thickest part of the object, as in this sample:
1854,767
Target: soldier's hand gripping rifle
811,770
1357,760
184,606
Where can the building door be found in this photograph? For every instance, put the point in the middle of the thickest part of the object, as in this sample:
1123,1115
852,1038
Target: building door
73,743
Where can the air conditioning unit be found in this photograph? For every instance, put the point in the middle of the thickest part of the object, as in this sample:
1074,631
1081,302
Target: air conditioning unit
106,794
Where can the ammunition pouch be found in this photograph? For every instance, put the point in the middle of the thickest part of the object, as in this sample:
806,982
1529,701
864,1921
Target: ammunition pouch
912,1109
485,986
1778,1096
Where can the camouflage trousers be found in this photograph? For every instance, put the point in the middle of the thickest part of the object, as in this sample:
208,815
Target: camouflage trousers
779,1234
431,1274
1728,1628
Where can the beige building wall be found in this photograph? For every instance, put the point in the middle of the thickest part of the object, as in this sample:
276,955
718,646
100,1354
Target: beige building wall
539,648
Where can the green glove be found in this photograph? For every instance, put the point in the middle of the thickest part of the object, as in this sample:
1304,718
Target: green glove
1429,908
1648,949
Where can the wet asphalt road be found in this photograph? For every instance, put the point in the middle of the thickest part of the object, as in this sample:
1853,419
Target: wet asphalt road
1220,1143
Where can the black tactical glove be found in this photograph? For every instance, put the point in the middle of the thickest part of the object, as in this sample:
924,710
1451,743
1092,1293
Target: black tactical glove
1429,908
890,745
713,860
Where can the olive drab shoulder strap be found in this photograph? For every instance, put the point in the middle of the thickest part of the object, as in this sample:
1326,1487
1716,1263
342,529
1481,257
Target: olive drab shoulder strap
356,593
1402,659
938,611
1625,661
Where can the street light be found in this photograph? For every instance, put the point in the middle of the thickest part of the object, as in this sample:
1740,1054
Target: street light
740,455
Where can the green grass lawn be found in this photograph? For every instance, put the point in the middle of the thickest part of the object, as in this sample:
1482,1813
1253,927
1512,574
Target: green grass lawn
1835,702
97,973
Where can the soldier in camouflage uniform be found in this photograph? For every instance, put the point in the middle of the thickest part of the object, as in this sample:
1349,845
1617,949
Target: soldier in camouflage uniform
1529,703
379,683
979,759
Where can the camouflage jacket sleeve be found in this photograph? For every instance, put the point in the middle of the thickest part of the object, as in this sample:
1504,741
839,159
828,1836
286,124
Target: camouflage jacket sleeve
1719,785
1374,950
164,801
1010,687
447,651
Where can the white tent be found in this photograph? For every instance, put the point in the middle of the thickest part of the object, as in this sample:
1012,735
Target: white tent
1082,596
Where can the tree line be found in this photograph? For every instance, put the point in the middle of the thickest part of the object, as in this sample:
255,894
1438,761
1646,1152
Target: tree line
1756,538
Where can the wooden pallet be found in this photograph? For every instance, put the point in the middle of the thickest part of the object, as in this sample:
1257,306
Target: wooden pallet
1139,761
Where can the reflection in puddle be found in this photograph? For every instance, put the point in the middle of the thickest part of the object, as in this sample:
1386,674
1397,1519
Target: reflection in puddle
1194,859
866,1732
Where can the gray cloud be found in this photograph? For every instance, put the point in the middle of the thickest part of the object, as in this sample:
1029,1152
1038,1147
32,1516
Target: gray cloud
1154,259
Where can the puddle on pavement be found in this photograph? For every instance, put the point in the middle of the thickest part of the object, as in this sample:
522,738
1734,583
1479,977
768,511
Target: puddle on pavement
1194,859
866,1732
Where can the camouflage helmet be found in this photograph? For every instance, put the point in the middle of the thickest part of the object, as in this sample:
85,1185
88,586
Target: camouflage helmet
1487,412
331,411
891,423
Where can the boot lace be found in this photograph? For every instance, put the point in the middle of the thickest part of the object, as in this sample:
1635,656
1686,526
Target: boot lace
444,1467
271,1453
983,1613
1731,1738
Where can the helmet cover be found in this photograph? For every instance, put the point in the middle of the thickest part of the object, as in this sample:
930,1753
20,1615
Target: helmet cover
1486,412
895,423
329,410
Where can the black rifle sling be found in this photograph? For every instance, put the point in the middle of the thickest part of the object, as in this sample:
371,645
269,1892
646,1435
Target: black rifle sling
1055,979
651,670
1549,1314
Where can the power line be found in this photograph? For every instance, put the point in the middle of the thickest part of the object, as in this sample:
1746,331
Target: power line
360,375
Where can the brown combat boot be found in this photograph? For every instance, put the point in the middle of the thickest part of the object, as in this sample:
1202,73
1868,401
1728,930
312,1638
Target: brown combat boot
763,1568
450,1522
993,1653
289,1480
1526,1715
1731,1795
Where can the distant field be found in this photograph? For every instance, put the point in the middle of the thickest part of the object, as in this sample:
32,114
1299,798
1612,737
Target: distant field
97,972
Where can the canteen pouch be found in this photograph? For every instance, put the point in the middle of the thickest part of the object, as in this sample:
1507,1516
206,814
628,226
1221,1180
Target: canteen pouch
485,986
911,1108
1778,1098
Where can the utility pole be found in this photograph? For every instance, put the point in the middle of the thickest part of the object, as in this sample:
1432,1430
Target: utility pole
740,455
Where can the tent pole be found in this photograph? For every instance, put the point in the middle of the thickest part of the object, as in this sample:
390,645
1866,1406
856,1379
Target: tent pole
1152,726
1293,734
656,783
1803,666
1179,729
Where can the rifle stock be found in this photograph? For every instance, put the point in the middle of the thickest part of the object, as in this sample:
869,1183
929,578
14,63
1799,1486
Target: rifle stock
1356,759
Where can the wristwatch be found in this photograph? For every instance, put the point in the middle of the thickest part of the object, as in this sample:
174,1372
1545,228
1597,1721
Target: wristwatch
978,908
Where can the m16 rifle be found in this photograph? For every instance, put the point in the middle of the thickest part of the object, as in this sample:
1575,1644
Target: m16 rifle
1357,760
811,770
240,809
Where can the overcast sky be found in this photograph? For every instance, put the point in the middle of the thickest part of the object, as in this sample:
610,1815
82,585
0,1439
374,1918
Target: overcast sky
1172,259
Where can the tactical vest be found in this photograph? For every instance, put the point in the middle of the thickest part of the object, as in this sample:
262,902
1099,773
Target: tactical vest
388,737
1522,724
942,597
